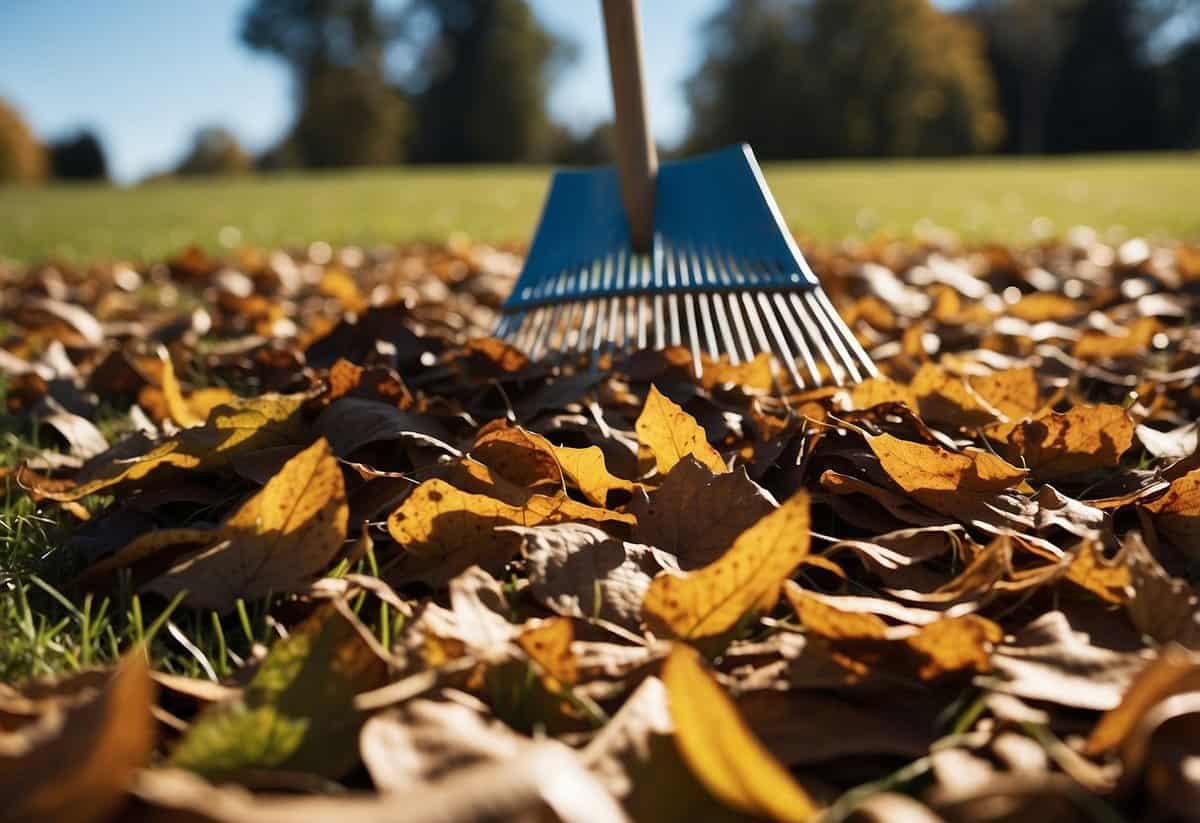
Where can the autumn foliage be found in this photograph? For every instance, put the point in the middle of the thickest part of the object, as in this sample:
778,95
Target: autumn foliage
960,591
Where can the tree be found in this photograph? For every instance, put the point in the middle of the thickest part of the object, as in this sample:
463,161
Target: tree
215,151
834,78
481,83
1024,44
22,157
1103,97
79,157
347,114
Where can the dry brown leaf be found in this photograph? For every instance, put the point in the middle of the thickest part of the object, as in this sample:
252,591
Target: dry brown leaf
1160,606
426,740
237,428
1107,579
519,456
721,751
711,601
695,515
1173,671
450,529
1096,345
863,642
194,409
1056,445
277,541
76,761
943,397
580,571
1050,660
670,434
1174,518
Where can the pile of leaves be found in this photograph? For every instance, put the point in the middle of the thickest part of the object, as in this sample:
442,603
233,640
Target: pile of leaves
500,589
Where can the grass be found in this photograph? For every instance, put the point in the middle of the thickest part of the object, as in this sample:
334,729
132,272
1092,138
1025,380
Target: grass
995,199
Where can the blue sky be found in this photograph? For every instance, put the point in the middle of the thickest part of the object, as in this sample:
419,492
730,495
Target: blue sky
145,74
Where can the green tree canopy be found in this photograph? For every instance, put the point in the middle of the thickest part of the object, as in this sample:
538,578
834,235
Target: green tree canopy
483,80
832,78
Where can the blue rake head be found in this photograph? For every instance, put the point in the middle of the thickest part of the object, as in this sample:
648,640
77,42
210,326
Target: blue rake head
723,276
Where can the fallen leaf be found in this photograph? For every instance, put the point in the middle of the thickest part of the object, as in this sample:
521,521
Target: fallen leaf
1097,345
231,430
1171,672
863,642
721,751
450,529
1174,518
709,602
1084,438
580,571
548,644
296,714
521,457
277,541
752,374
1049,660
193,410
76,760
695,514
670,434
427,740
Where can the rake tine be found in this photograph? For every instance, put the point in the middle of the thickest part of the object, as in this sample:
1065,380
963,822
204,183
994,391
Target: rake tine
789,315
785,351
755,322
834,338
863,358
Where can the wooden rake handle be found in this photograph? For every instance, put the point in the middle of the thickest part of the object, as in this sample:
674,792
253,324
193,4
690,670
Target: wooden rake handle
637,159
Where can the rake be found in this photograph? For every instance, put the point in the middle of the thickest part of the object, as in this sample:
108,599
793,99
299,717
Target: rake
691,253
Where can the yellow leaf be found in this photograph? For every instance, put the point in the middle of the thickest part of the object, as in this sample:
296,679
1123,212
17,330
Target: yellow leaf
876,391
549,645
339,285
1175,517
721,751
710,601
277,541
586,470
239,427
671,433
1055,445
923,470
1096,345
452,529
943,397
1108,580
193,410
862,642
753,374
1035,308
522,457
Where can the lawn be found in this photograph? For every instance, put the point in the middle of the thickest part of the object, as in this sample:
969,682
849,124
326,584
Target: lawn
992,199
